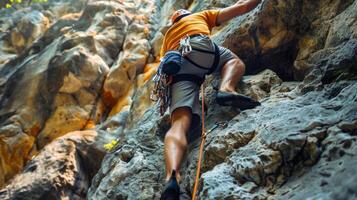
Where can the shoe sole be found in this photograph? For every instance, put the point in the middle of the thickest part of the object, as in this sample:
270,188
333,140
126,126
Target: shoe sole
240,101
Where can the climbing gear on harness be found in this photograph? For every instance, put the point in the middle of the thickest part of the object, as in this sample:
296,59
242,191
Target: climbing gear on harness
185,46
171,63
172,189
236,100
161,91
179,14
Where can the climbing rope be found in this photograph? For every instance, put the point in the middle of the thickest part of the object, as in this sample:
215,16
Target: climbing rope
203,139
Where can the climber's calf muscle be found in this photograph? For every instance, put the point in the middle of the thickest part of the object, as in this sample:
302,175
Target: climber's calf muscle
239,8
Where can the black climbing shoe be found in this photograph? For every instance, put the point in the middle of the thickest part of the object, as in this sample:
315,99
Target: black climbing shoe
236,100
172,189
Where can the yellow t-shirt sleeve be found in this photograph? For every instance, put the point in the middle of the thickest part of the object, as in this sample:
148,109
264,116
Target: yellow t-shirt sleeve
210,17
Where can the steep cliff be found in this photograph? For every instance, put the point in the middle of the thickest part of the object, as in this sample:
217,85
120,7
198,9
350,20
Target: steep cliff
75,74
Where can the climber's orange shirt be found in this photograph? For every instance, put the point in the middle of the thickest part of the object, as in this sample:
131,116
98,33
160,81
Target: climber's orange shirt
196,23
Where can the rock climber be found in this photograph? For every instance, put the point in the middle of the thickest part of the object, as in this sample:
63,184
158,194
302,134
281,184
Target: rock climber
189,34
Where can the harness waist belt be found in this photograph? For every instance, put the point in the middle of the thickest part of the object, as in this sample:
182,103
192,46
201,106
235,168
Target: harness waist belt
194,78
197,35
187,77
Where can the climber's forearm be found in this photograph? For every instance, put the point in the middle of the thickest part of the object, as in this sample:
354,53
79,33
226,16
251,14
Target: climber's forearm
239,8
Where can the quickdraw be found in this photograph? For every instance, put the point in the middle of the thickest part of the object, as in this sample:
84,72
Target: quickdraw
185,46
161,91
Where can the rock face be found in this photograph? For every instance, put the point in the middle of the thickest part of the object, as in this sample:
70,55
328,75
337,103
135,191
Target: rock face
56,85
259,151
62,170
78,65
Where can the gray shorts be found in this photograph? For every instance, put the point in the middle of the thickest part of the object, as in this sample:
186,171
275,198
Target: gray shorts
186,93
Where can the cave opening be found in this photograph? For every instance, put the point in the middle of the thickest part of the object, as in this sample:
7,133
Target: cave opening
280,60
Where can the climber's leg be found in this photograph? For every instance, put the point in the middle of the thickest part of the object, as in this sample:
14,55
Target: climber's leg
175,140
232,72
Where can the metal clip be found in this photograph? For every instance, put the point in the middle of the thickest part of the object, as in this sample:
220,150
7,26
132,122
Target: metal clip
185,46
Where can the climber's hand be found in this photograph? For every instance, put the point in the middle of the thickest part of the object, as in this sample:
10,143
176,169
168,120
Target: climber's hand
239,8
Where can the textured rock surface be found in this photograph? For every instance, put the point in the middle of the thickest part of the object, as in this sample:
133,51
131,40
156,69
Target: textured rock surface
20,28
269,150
87,63
55,86
62,170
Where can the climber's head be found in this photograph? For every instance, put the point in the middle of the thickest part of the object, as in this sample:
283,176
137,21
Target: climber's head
178,14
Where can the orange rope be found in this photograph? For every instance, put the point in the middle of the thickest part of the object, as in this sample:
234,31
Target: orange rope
203,139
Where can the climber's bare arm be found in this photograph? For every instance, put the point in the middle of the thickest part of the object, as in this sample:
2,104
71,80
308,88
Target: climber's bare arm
239,8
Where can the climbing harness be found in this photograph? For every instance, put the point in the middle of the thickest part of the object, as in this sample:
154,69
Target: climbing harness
168,71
